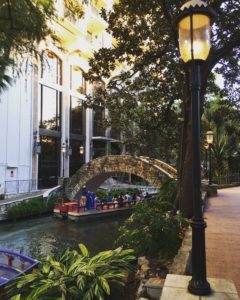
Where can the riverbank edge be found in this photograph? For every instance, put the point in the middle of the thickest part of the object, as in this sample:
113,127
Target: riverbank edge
4,208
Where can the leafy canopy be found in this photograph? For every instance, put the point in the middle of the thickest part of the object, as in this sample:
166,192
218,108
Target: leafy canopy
151,91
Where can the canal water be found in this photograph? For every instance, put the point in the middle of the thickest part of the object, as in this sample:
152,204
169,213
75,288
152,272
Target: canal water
47,235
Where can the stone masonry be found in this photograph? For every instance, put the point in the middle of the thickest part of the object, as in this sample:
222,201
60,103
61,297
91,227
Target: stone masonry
94,173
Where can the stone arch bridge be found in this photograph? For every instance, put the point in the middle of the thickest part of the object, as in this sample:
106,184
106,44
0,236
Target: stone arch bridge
95,172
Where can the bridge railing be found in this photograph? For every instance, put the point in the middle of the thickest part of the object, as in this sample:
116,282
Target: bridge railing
141,188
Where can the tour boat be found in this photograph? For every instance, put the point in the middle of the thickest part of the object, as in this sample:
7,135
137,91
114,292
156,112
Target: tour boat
12,265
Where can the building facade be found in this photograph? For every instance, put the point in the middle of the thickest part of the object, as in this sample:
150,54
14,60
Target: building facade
47,131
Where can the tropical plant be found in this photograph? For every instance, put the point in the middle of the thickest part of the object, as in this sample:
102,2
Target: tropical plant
168,190
75,276
222,117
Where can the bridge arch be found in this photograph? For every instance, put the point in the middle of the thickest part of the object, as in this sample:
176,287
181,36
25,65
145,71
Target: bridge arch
95,172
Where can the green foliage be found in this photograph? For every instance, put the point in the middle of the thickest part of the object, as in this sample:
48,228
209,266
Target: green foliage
74,9
168,190
154,229
223,117
116,193
153,92
101,194
33,207
75,276
23,24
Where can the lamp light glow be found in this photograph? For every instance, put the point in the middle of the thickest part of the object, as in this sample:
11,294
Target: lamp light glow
194,39
63,148
206,145
209,137
194,26
81,150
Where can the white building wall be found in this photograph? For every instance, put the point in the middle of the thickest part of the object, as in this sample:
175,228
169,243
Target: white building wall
19,105
16,137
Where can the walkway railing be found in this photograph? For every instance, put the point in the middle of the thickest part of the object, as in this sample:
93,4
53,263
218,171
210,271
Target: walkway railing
20,186
228,178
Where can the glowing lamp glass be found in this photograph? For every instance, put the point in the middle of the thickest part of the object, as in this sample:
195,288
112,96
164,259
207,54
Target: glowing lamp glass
81,150
199,46
209,137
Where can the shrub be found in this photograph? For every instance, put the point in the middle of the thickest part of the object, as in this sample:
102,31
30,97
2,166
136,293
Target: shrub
118,192
33,207
168,190
154,229
75,276
101,194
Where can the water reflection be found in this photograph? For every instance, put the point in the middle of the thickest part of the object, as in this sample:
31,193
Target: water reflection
42,236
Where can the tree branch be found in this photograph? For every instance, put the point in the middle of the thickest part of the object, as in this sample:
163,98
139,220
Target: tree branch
170,21
10,13
220,53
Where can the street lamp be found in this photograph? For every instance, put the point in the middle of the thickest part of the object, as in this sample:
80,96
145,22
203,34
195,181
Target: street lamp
209,137
194,44
37,148
206,146
63,149
81,150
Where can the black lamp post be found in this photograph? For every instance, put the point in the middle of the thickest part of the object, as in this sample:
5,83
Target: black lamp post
81,151
209,136
194,43
63,149
206,146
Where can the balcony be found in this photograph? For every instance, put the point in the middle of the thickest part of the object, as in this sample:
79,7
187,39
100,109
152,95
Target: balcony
101,3
95,23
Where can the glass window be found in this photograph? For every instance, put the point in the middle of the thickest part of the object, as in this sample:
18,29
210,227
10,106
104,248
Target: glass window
115,132
116,148
98,120
76,159
99,148
51,70
49,161
78,82
50,108
76,117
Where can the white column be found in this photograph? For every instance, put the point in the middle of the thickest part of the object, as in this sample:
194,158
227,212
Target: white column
65,138
89,134
36,97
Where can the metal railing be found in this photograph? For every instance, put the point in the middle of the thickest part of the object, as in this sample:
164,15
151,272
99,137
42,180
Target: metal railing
20,186
228,178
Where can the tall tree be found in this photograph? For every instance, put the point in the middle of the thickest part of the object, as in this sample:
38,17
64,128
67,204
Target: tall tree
147,42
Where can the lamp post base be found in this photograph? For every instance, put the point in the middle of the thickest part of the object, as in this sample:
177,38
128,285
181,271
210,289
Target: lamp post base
199,287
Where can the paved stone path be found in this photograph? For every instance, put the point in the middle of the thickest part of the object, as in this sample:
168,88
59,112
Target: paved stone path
223,235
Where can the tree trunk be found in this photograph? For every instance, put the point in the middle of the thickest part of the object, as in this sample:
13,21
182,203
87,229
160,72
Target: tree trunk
185,178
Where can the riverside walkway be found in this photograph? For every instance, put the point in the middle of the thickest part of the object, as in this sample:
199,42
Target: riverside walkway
223,235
